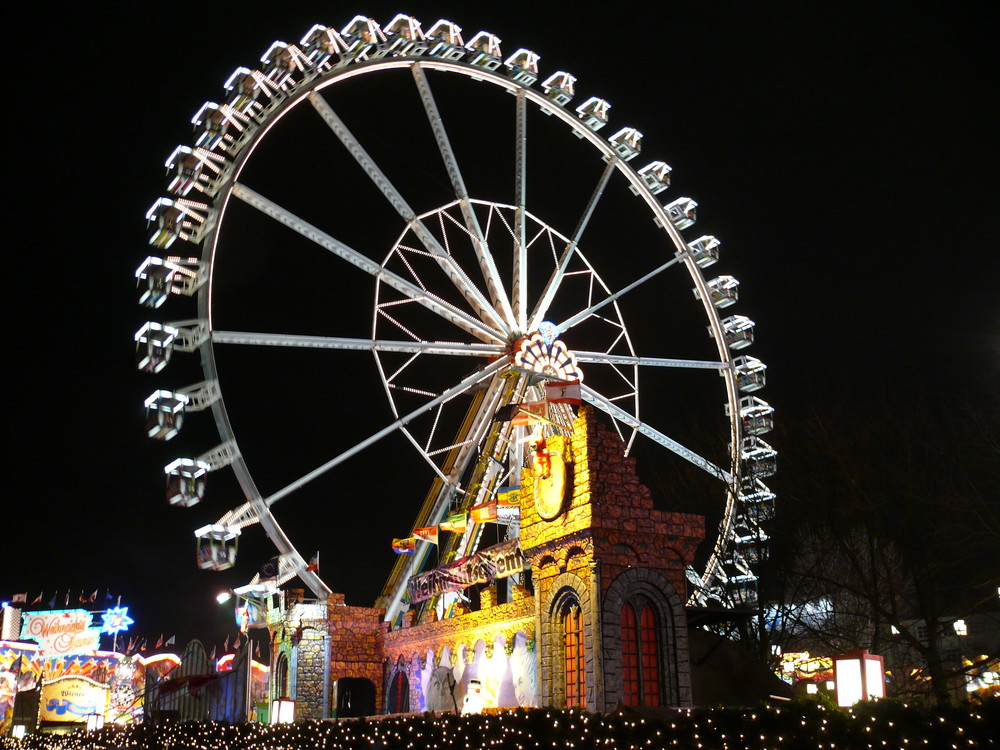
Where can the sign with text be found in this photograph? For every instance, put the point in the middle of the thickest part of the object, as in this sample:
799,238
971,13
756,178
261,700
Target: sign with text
72,699
486,565
66,631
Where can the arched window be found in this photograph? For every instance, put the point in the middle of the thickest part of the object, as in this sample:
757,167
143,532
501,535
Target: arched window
640,656
281,677
574,660
399,693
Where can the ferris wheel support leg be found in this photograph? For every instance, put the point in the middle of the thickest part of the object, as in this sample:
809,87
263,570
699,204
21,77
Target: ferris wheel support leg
395,589
451,269
494,284
552,287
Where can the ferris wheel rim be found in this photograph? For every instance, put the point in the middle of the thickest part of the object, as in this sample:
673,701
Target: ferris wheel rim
321,82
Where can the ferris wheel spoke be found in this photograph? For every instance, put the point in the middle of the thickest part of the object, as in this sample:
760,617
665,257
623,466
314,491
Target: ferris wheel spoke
396,426
446,310
555,281
621,359
447,263
586,313
596,399
519,288
254,511
425,455
353,344
494,283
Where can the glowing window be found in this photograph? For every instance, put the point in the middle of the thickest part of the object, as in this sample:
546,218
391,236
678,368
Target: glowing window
630,657
640,657
573,632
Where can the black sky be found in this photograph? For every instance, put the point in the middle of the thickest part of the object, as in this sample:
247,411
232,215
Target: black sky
844,153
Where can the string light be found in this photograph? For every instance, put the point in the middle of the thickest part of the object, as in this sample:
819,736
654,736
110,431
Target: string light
881,724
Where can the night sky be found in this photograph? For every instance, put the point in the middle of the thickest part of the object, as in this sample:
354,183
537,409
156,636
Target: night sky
843,153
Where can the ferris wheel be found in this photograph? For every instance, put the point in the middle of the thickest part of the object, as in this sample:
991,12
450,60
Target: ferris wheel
494,243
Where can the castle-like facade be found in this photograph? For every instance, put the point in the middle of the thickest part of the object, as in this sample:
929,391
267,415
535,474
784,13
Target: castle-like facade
602,625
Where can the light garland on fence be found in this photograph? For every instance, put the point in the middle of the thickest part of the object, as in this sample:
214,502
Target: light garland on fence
876,725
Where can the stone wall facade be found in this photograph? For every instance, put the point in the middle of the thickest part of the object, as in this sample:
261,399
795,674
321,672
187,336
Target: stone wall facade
604,547
607,546
322,642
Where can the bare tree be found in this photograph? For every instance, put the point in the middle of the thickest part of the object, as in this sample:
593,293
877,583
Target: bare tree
888,528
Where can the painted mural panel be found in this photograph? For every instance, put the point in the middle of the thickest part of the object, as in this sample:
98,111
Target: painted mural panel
500,675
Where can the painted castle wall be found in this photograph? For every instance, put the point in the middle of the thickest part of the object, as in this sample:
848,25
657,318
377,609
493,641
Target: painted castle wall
601,545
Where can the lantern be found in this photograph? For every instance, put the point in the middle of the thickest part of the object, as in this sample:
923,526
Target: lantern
282,710
858,676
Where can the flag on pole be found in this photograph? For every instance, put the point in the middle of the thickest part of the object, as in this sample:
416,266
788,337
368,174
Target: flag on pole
83,599
313,565
521,415
93,597
427,533
563,392
19,598
509,496
159,641
66,600
171,640
456,522
508,504
269,570
52,601
404,546
484,513
225,645
37,600
212,655
107,595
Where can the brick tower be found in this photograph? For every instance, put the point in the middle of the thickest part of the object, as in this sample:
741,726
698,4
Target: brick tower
608,573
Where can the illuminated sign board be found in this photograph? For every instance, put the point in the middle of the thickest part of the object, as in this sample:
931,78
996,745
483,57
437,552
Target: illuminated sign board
500,561
72,699
66,631
116,620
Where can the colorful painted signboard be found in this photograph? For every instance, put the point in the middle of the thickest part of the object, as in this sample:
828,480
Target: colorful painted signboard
72,698
65,631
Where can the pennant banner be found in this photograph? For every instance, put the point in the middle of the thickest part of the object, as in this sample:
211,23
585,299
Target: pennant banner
427,533
403,546
313,566
508,504
484,513
509,496
485,566
563,392
456,522
523,414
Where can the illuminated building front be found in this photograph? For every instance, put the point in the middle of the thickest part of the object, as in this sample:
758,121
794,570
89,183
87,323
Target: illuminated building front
602,623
